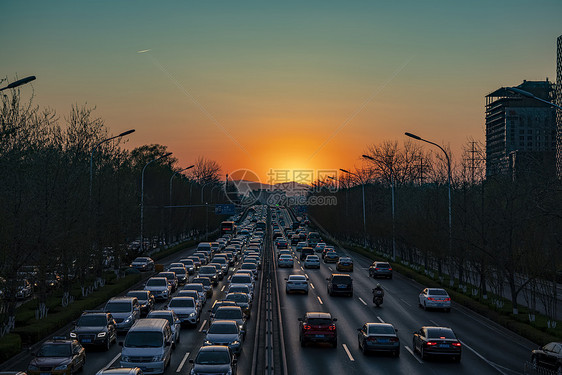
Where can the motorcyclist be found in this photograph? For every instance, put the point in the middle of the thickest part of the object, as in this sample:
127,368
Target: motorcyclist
378,292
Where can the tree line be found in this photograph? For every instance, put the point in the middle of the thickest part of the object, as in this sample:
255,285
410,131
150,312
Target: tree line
505,230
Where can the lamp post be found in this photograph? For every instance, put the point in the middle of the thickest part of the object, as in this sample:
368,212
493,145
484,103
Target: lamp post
363,189
392,185
92,159
448,183
529,95
142,198
19,82
170,201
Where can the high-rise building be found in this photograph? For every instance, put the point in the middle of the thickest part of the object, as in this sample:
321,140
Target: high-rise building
521,132
559,103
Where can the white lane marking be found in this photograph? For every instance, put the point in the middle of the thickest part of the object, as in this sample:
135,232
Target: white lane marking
380,319
110,362
302,268
203,325
306,275
413,354
482,358
348,353
434,322
330,268
363,302
312,285
405,302
222,289
320,300
183,362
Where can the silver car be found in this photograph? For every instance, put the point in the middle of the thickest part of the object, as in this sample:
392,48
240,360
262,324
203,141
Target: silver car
185,308
296,283
225,333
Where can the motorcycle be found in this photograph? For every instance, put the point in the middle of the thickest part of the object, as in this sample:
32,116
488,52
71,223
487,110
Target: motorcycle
377,300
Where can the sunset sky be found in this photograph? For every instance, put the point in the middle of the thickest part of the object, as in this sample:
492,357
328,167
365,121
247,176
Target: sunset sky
289,85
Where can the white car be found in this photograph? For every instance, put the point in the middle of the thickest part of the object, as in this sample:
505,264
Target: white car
186,309
312,261
285,261
159,287
435,298
296,283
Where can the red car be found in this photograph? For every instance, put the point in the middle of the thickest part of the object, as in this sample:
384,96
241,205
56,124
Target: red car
318,327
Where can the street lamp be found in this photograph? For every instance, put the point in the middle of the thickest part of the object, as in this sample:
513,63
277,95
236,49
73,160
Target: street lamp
19,82
448,182
393,207
363,189
529,95
142,197
92,158
170,202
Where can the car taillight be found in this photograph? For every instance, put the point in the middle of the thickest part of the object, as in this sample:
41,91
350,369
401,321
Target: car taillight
390,269
306,327
332,328
393,339
430,299
447,299
430,343
457,344
376,269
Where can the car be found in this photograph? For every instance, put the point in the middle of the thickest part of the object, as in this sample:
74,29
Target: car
189,265
380,269
185,308
214,359
125,312
181,274
318,327
282,243
196,261
306,251
23,289
223,262
218,304
295,239
243,300
326,250
195,295
120,371
227,312
146,300
548,356
207,284
172,279
96,328
378,337
285,260
312,261
437,341
199,288
284,252
344,264
331,257
296,283
209,272
240,288
58,356
435,298
340,283
226,333
301,245
159,287
250,267
243,279
143,264
173,320
319,247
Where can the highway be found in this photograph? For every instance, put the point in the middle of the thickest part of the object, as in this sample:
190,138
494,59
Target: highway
487,348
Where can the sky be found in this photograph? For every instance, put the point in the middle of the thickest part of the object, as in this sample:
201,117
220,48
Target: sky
283,86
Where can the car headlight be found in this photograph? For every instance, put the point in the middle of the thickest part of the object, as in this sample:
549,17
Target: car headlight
192,314
125,358
32,368
102,334
73,335
235,343
207,342
128,320
61,367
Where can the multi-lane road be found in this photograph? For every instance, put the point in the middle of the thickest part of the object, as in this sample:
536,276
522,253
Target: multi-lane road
487,347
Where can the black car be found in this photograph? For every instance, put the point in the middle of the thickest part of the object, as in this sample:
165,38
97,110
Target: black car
380,269
340,283
96,328
548,356
58,356
306,251
214,359
146,300
437,341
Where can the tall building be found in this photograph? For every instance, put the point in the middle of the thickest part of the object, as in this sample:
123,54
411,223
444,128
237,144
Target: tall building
521,132
558,111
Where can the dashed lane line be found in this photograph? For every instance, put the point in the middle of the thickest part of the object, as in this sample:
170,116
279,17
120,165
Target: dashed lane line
492,364
182,362
380,319
405,302
110,362
363,302
434,322
203,325
320,300
348,353
312,285
413,354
